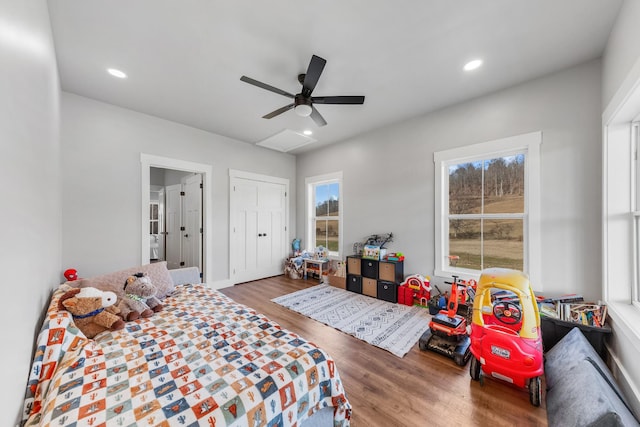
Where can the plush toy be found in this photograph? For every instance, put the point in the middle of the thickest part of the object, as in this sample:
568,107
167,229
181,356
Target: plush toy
93,310
71,274
139,298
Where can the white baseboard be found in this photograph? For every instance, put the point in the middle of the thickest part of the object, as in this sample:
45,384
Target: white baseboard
219,284
623,377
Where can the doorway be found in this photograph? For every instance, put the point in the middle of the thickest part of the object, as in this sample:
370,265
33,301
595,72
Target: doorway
197,243
176,218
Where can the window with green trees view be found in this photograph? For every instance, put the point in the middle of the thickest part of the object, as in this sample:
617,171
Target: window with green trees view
324,212
486,197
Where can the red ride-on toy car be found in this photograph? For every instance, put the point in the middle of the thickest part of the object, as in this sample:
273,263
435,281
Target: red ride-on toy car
505,331
447,333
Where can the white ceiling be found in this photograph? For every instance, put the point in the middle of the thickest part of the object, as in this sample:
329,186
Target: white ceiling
184,59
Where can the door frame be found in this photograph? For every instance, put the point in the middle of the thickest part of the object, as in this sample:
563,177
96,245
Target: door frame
235,174
147,162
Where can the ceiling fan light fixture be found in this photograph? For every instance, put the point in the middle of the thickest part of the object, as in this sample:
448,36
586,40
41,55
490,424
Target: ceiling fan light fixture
303,110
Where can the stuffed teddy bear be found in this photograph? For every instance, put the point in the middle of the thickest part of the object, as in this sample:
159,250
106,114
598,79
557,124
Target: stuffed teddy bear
139,298
93,310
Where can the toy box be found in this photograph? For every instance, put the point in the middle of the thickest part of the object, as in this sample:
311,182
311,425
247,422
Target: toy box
338,281
553,330
373,252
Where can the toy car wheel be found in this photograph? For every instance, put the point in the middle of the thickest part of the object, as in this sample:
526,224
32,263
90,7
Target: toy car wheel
474,369
535,391
424,340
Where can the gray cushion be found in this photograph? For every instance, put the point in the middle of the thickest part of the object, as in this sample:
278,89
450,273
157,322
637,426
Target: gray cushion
187,275
580,388
586,400
569,351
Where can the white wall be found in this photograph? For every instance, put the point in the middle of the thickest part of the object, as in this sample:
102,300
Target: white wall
101,146
29,167
389,173
622,50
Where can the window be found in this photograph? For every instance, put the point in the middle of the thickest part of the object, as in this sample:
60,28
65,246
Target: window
154,223
324,213
487,204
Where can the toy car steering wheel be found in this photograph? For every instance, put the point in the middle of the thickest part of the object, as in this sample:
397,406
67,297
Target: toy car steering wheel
507,312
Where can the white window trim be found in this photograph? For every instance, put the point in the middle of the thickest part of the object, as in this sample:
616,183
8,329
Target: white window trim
618,256
310,182
529,144
635,163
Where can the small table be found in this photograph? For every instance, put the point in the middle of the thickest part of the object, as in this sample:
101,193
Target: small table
319,262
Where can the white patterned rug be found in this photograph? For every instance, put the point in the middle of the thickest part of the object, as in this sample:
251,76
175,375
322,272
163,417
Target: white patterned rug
393,327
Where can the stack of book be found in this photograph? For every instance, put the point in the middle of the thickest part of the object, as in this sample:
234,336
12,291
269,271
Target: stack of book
573,308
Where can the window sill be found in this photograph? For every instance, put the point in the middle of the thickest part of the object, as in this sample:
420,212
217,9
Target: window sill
462,274
626,318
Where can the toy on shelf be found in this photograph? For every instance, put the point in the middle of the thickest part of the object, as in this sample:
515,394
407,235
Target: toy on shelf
320,253
447,333
375,244
505,331
394,256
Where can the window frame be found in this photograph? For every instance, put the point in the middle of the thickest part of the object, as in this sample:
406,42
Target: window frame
310,184
635,209
527,144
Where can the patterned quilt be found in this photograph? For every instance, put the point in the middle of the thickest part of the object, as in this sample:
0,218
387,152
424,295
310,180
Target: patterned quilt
204,360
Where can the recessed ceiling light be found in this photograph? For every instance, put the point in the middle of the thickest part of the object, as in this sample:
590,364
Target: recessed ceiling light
308,132
117,73
472,65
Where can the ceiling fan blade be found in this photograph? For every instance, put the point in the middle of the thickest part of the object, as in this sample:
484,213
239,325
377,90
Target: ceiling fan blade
316,65
337,99
317,117
278,111
265,86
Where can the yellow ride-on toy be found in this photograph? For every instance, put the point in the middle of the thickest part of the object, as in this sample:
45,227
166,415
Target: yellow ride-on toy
506,342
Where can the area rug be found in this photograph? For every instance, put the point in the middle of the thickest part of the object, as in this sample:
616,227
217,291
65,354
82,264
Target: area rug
393,327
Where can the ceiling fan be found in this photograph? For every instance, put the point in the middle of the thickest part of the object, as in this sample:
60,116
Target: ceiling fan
303,102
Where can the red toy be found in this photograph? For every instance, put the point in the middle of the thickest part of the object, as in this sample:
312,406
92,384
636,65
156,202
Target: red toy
71,274
505,332
414,287
447,332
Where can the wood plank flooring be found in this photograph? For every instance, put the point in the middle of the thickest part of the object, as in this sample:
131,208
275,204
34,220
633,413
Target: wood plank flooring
420,389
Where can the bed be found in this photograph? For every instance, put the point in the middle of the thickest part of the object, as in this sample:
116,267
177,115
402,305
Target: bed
203,360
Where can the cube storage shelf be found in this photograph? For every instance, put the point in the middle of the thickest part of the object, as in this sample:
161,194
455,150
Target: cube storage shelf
377,279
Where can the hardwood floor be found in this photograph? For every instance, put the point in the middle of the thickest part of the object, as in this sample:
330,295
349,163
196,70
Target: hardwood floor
420,389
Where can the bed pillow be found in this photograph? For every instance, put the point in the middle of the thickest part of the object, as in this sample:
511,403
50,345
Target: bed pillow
114,282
